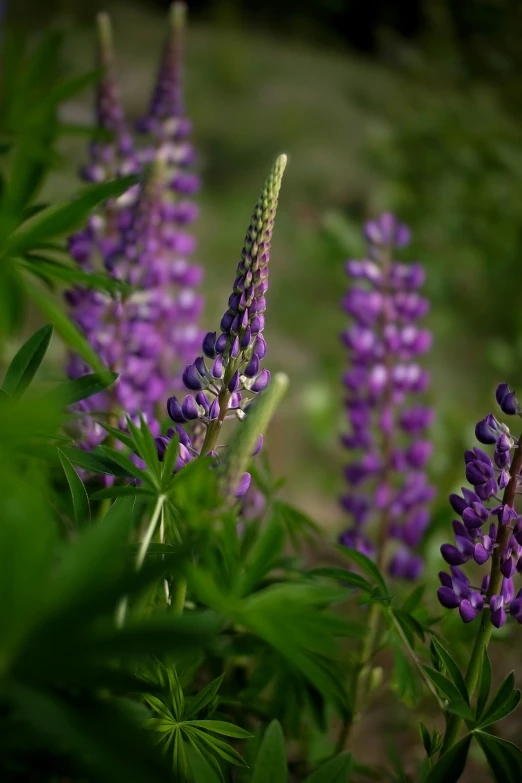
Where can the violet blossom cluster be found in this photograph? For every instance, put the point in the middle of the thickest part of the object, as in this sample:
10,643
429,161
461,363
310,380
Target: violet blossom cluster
150,330
387,422
489,529
221,382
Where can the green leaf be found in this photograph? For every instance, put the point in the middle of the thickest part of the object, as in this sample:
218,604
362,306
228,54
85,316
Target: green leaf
452,669
199,766
336,770
125,463
93,462
62,219
123,492
484,684
504,701
409,625
82,388
413,600
367,565
297,524
118,435
243,440
450,766
504,758
445,686
26,362
222,727
425,737
262,556
50,269
169,461
63,324
461,708
271,765
343,576
82,509
222,749
201,699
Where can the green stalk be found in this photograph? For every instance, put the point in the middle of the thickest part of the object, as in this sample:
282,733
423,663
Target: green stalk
121,610
485,630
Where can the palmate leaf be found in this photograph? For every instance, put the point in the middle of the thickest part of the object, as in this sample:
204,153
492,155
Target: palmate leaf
221,727
26,362
200,767
271,765
196,703
173,721
262,556
215,745
294,620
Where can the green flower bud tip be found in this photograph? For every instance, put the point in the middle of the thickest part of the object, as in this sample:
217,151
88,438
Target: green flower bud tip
178,15
104,26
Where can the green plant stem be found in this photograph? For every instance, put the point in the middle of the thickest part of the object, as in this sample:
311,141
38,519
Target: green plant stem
411,652
361,675
121,610
454,724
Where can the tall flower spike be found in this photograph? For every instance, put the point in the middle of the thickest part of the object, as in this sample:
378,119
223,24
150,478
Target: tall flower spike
148,334
386,439
166,113
115,157
231,371
489,530
169,127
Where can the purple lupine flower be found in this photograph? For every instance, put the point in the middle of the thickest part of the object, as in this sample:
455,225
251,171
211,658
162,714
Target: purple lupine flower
491,530
149,331
221,381
387,423
168,127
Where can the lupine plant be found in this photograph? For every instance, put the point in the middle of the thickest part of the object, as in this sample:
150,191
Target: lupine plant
150,629
146,331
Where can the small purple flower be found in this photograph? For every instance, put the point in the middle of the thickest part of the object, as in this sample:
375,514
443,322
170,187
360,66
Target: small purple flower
387,422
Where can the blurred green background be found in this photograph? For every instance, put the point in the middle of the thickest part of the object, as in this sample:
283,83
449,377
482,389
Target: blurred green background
409,106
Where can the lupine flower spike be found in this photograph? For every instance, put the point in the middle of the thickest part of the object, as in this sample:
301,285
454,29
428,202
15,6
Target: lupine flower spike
489,530
169,128
221,381
386,474
138,244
